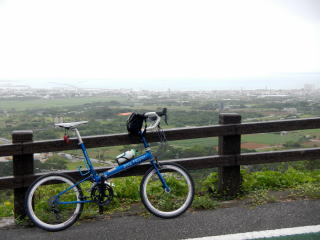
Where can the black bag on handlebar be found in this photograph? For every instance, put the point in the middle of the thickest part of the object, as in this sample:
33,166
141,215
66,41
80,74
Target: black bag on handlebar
134,123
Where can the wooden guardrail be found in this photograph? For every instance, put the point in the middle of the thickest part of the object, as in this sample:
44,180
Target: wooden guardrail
228,160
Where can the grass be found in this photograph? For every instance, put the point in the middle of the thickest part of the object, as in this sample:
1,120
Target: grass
275,180
6,203
204,202
309,190
6,208
256,187
259,197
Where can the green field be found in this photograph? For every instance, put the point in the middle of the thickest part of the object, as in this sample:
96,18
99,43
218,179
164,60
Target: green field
276,138
271,138
20,105
262,138
207,142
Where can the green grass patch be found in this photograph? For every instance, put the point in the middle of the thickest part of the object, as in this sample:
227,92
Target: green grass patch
255,187
204,202
275,180
256,184
309,190
6,208
259,197
127,187
6,203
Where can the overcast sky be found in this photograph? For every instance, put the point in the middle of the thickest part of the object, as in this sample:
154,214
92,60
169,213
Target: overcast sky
176,41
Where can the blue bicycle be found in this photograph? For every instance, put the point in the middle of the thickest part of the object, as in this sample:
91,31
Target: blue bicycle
166,190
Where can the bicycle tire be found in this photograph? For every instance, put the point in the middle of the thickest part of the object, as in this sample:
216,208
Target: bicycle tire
42,208
167,204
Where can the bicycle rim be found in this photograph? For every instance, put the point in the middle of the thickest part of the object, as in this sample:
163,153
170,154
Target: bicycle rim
46,210
167,204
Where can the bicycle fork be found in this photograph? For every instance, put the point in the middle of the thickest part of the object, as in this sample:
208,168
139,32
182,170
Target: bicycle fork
165,186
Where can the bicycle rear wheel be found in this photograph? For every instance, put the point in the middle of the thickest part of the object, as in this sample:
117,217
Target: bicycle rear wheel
49,211
167,204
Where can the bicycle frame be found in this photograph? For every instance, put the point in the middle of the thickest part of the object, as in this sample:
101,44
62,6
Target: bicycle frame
107,174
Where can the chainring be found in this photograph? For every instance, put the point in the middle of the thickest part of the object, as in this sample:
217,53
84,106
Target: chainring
102,193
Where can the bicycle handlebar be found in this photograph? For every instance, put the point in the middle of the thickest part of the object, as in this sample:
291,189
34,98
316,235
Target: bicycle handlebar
156,117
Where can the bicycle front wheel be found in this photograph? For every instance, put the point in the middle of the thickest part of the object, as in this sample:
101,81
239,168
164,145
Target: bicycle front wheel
52,202
172,203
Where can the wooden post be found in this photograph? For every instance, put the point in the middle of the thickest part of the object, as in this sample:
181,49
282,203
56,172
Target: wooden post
22,165
229,177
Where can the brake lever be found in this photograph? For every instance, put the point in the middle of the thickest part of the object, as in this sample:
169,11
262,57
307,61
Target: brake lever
163,113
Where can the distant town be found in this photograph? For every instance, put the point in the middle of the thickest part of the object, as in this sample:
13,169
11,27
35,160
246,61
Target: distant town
23,92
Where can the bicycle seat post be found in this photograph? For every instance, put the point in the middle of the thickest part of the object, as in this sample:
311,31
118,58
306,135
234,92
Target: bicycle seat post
78,136
85,153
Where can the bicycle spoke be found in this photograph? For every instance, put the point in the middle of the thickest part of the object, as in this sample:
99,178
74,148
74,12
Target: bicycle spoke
43,206
167,204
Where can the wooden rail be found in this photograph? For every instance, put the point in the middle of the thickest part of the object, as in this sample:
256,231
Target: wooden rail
172,134
228,160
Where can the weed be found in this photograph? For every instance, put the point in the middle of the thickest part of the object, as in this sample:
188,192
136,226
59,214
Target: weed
23,221
255,186
259,197
277,180
127,187
209,184
204,202
310,190
6,209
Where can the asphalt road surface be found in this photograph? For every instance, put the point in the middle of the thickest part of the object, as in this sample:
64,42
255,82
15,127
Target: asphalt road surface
190,225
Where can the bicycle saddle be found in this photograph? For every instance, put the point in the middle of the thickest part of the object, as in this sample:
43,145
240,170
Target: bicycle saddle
70,125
